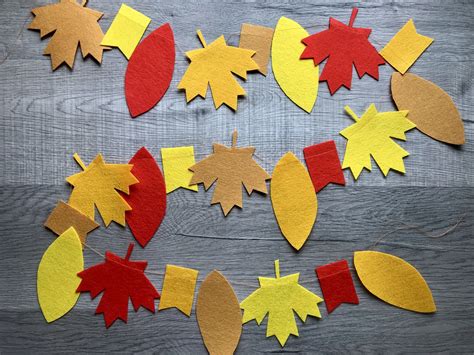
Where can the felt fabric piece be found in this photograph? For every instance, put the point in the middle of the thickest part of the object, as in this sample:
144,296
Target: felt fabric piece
293,199
147,198
323,165
336,284
394,281
71,25
150,70
64,216
230,168
258,39
343,46
218,315
370,136
57,275
279,297
429,107
405,47
126,30
178,288
119,279
97,186
176,164
214,65
298,79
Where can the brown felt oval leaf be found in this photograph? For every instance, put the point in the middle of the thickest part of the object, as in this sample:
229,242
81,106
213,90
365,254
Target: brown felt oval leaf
430,107
218,315
394,281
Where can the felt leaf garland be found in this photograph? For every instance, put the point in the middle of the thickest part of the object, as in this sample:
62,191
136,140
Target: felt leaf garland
214,65
119,279
429,107
394,281
293,199
71,24
57,275
97,186
279,297
147,198
298,79
371,136
343,45
150,70
218,315
230,168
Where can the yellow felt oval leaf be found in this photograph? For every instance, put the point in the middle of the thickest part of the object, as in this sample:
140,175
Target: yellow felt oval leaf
429,107
293,199
394,281
57,275
298,79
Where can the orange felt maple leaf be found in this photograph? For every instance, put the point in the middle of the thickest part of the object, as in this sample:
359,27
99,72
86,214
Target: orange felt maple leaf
72,24
231,168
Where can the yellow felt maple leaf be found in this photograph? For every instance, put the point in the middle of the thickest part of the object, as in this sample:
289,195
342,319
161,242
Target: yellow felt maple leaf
73,24
231,168
279,297
214,65
371,136
97,186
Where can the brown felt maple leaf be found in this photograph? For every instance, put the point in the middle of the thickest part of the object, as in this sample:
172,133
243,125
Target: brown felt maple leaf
231,168
73,24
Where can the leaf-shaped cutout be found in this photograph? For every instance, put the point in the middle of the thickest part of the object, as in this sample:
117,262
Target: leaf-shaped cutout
293,199
147,198
218,315
150,70
57,278
298,79
394,281
429,107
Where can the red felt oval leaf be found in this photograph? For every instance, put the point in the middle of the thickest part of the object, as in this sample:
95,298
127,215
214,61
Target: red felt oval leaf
150,70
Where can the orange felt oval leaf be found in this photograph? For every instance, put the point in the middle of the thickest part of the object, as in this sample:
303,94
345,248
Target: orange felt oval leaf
394,281
430,107
218,315
293,199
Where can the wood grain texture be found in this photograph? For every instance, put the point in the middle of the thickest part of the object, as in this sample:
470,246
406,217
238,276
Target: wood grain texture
46,117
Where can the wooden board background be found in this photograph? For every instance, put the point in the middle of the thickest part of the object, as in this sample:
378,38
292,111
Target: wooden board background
45,117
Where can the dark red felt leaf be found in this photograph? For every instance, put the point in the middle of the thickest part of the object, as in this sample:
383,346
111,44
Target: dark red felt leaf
147,198
119,279
343,45
323,165
336,284
150,70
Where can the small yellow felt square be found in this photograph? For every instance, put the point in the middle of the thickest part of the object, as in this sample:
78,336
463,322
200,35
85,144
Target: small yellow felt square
178,288
176,162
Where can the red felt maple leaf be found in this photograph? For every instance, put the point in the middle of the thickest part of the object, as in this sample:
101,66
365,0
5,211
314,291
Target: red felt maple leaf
343,45
119,279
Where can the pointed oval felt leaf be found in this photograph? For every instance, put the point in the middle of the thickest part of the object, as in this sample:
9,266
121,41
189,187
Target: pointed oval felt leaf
218,315
394,281
147,198
293,199
150,70
429,107
298,79
57,275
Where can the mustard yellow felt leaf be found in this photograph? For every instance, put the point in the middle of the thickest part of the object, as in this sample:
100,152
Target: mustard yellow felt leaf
371,136
279,297
97,186
214,65
57,278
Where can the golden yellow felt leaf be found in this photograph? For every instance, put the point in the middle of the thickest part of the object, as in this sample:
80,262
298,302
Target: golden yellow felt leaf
214,65
394,281
97,186
293,199
72,24
57,278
